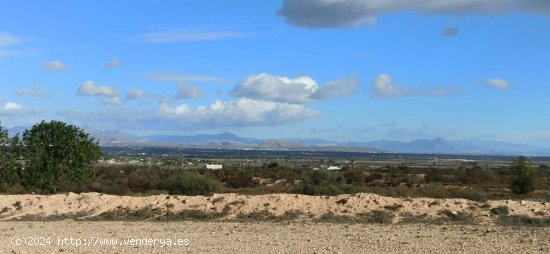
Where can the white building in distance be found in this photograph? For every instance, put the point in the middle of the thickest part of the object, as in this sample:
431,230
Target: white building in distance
214,166
334,168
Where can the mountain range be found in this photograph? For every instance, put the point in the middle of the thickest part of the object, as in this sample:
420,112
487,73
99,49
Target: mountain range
228,140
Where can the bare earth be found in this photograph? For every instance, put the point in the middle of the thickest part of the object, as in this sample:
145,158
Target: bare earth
299,235
264,237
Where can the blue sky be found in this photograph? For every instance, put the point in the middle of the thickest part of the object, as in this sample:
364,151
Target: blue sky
355,70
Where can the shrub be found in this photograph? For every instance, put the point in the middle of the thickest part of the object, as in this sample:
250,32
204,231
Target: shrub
524,182
501,210
240,179
192,184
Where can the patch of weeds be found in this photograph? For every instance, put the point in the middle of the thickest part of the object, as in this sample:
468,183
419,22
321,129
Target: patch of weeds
291,215
17,205
377,216
458,217
342,201
420,219
125,214
255,216
394,207
5,209
333,218
521,220
501,210
485,206
189,215
59,217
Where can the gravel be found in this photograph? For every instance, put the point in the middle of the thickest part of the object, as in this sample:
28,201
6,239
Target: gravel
266,237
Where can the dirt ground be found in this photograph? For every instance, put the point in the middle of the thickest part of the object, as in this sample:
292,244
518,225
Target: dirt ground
266,237
230,206
275,223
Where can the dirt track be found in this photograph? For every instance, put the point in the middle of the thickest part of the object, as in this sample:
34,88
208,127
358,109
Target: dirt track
263,237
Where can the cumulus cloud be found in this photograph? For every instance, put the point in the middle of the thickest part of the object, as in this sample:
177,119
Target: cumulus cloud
173,36
135,94
383,86
11,106
14,109
89,88
110,94
186,91
241,112
276,88
35,91
114,63
498,83
349,13
299,90
450,31
337,88
111,101
53,66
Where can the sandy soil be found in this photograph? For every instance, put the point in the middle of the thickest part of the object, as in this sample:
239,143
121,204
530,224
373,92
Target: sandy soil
75,231
264,237
86,205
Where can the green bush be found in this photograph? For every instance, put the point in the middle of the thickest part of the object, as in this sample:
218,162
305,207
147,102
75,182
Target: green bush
192,184
501,210
524,182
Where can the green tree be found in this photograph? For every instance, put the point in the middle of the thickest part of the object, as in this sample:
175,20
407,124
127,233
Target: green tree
54,151
8,159
525,181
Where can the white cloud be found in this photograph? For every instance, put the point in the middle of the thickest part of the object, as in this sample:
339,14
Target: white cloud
110,94
186,91
172,36
35,91
276,88
349,13
12,109
498,83
89,88
111,101
114,63
299,90
135,94
337,88
7,40
383,86
241,112
11,106
53,66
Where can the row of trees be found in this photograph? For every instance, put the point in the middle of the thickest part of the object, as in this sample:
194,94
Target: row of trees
46,154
